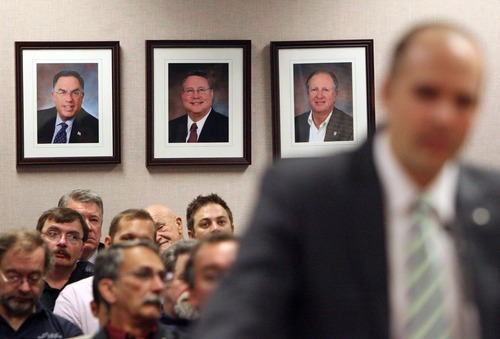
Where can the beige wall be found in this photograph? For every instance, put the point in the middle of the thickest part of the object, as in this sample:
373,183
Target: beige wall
26,192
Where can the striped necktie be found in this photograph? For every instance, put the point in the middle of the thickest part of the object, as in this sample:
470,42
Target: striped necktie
426,316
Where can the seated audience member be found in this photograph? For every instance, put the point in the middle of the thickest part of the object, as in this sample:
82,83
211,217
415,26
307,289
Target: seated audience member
168,225
65,231
209,262
24,260
207,215
89,204
174,260
74,302
130,277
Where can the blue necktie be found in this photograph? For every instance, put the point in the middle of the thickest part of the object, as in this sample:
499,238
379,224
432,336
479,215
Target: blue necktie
61,135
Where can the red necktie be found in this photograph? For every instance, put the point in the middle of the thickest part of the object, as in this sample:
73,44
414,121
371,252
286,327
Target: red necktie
193,136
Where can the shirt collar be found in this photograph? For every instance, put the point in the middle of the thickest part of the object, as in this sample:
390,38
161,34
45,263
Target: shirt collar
401,192
200,122
69,122
324,123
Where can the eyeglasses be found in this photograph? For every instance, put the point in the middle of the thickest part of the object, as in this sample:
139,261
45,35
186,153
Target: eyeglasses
148,274
201,90
53,235
15,278
74,94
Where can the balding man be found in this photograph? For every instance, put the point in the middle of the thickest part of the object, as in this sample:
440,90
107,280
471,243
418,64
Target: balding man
168,225
396,239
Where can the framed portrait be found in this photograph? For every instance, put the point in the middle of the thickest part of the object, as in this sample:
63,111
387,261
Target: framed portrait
68,102
323,96
198,102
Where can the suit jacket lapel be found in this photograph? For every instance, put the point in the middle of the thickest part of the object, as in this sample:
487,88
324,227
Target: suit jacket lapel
369,236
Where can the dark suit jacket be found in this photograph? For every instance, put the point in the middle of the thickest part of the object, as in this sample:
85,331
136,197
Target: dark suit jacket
85,127
313,263
215,129
339,127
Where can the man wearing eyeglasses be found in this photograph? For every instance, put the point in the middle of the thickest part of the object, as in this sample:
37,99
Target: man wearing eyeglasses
201,123
73,303
324,122
24,261
65,231
130,277
67,121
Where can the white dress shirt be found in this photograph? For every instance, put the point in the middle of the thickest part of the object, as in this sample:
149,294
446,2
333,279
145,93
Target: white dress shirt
400,194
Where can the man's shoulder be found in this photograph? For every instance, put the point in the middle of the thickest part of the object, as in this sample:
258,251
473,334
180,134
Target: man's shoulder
44,323
85,117
216,115
80,272
82,285
302,117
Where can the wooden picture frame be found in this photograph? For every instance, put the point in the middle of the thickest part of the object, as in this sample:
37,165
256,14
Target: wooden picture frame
225,65
350,63
91,109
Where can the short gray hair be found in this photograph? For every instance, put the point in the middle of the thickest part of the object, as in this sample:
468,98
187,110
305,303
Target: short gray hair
81,195
169,257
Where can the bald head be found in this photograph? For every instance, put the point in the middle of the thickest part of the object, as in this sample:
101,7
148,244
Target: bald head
440,35
431,97
168,225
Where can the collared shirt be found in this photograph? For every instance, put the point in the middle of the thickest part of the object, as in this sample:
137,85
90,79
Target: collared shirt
40,324
118,333
317,134
200,123
58,127
49,294
400,194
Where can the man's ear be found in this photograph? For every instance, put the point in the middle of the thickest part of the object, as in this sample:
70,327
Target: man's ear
107,289
232,228
107,241
191,234
178,221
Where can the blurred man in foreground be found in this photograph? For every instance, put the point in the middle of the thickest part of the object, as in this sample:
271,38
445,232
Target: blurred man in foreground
396,239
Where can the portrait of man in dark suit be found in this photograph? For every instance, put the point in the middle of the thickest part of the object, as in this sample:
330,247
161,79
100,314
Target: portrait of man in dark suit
200,123
67,121
323,122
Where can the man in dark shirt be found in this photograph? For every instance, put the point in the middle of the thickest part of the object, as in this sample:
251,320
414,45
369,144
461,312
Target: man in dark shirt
65,231
24,260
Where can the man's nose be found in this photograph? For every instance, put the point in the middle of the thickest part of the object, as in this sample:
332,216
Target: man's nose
24,286
62,241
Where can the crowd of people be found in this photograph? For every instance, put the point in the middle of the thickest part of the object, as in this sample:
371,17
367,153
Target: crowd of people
396,239
143,280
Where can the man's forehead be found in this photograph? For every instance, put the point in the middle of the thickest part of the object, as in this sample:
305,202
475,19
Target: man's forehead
52,223
195,79
80,205
129,225
134,257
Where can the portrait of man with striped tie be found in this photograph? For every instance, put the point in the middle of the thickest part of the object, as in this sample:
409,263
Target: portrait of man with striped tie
67,121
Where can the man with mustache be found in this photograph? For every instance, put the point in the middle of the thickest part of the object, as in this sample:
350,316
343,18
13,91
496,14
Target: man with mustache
130,278
168,225
201,123
24,260
89,204
73,303
65,231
